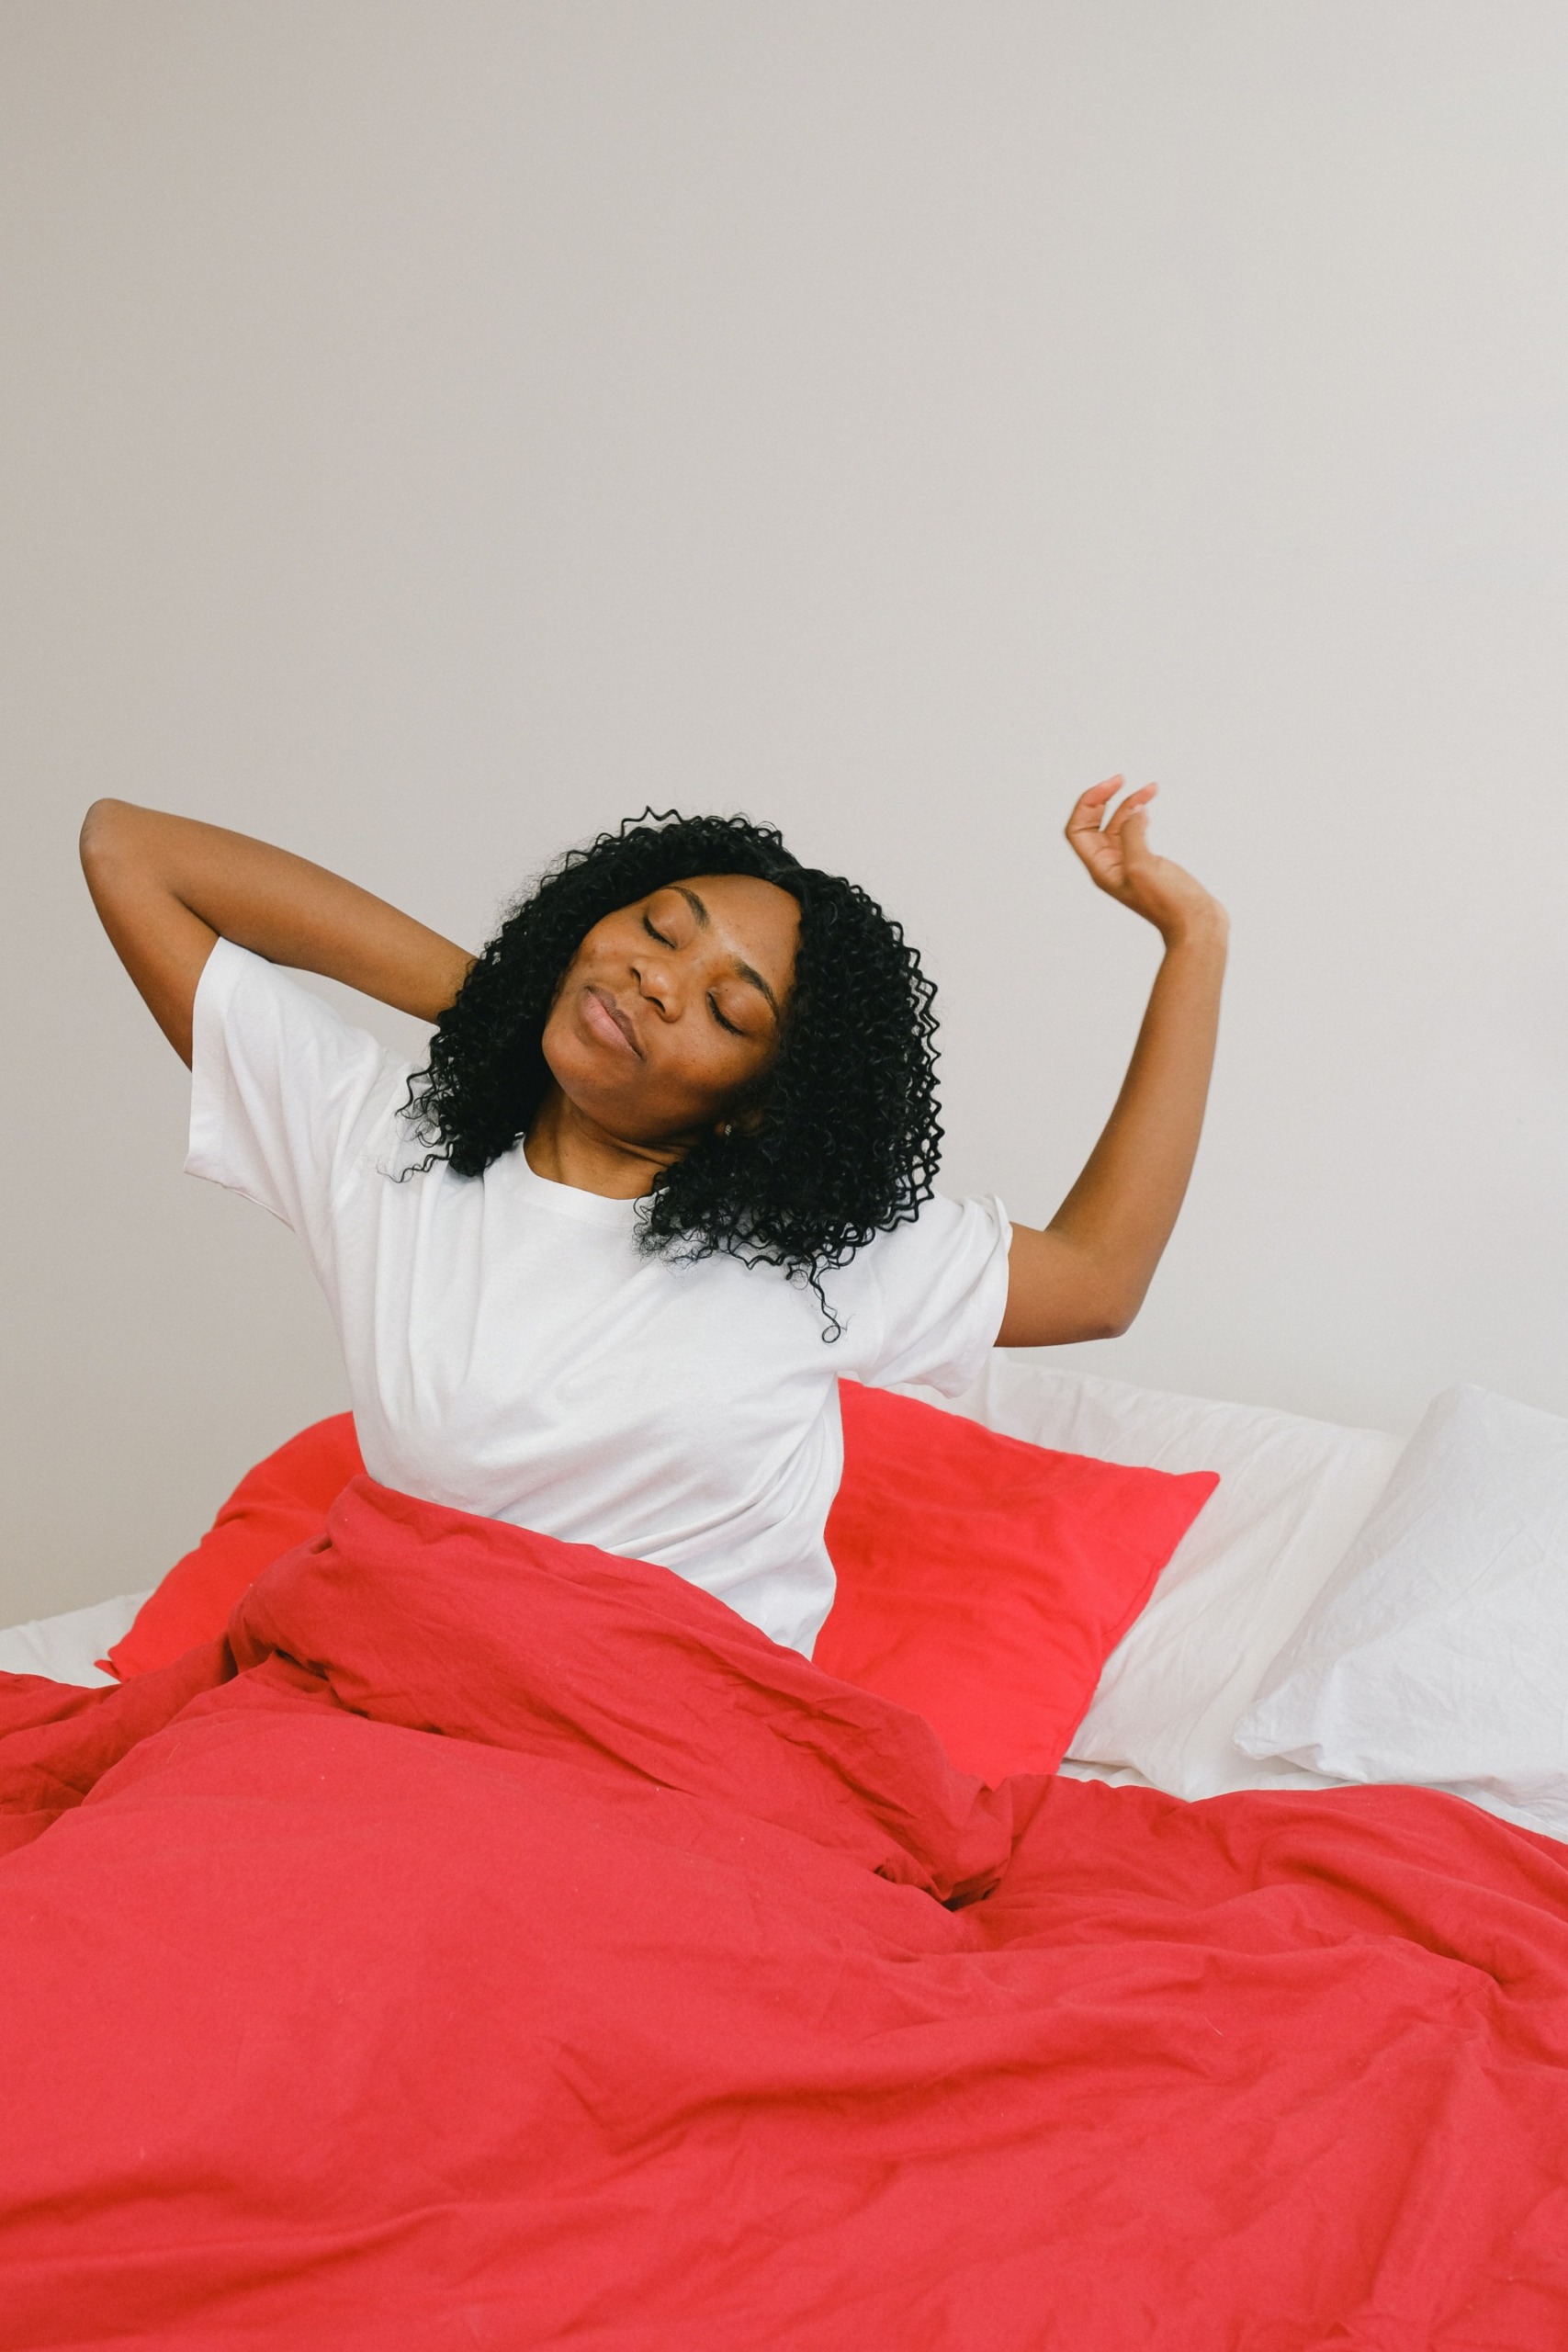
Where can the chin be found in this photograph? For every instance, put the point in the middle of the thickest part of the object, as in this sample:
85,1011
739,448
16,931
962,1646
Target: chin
577,1069
578,1066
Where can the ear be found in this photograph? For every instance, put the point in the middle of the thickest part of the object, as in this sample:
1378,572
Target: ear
743,1122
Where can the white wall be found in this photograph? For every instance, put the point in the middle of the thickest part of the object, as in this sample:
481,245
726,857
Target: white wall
432,428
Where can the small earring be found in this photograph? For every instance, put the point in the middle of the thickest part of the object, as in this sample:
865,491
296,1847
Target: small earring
727,1128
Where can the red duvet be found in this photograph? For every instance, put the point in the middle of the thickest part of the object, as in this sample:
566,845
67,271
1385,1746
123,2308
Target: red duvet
517,1950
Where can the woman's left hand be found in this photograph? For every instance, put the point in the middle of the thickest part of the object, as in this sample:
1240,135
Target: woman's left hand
1121,864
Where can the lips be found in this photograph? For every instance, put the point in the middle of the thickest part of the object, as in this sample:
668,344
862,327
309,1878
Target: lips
605,1018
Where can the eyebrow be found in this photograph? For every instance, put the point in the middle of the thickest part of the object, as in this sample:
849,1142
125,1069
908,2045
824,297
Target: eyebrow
743,971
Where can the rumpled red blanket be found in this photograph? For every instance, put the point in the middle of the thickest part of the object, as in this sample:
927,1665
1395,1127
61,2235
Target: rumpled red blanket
500,1944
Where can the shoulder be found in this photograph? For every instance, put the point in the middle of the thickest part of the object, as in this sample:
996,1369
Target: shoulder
238,990
265,1036
923,1300
241,997
942,1230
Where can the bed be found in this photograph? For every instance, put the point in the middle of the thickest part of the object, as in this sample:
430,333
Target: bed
497,1943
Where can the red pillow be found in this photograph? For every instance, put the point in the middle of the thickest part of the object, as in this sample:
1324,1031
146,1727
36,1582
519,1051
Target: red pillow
283,1502
984,1582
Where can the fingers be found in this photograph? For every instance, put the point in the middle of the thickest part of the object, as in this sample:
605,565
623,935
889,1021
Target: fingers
1089,808
1111,846
1135,805
1129,827
1103,842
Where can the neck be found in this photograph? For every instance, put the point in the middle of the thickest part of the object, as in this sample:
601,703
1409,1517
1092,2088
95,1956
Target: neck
566,1146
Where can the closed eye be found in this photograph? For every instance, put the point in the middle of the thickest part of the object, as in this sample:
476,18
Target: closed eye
664,941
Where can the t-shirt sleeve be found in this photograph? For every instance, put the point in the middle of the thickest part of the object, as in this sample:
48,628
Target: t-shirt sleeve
285,1095
939,1289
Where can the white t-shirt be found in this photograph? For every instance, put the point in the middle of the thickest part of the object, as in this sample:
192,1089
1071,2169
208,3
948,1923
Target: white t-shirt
512,1352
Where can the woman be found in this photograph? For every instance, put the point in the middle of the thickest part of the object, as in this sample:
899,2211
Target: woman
668,1173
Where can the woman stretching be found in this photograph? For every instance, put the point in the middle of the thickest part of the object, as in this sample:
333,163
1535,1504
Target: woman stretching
668,1173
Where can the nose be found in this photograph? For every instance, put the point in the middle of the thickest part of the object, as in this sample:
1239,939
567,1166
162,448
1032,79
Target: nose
656,973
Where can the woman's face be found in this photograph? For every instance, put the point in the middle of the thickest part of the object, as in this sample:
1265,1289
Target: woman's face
671,1008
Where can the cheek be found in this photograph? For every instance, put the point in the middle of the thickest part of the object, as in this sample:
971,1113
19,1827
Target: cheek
713,1065
555,1045
578,1067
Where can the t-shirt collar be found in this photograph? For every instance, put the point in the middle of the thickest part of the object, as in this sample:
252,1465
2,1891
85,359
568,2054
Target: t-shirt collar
569,1200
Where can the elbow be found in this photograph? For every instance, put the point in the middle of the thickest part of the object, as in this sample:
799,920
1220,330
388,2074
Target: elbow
1063,1326
1116,1315
101,829
114,846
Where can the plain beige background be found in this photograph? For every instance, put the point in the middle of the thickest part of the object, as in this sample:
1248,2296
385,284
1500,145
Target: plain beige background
432,431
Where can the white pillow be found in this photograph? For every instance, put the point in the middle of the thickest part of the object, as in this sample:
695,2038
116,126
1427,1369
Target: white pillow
1292,1494
65,1648
1439,1651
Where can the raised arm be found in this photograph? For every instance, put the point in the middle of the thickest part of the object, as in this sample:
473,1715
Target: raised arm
1084,1277
166,887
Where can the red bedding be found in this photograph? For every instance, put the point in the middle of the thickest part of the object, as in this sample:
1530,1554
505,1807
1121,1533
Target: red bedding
499,1944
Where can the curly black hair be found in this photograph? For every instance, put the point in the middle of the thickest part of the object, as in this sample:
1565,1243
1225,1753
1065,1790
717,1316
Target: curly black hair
843,1140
